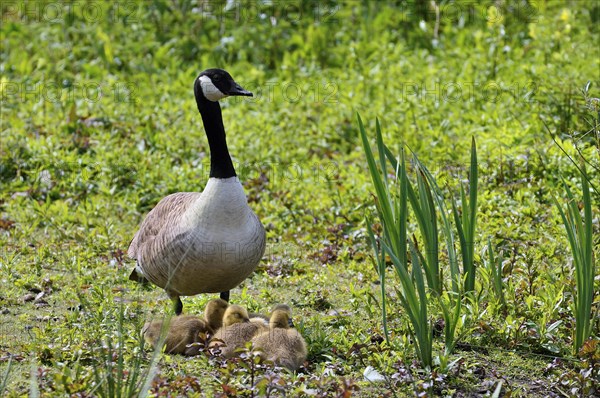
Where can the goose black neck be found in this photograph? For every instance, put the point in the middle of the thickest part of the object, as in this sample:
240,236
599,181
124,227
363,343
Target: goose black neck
221,165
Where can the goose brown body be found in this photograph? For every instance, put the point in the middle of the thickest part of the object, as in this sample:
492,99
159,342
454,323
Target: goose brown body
207,242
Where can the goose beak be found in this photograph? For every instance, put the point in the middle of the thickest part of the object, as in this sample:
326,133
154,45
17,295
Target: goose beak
238,90
290,323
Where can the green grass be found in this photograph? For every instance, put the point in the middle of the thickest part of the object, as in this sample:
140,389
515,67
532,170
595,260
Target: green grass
98,123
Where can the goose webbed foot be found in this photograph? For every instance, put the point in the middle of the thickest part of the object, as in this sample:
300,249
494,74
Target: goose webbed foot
225,296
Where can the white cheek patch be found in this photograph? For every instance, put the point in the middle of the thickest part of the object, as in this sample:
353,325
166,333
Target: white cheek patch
210,91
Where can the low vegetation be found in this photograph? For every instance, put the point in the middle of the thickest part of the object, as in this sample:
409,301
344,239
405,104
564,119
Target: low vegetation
444,244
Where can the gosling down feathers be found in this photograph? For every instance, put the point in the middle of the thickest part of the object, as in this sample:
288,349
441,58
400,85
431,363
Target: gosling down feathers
183,330
214,312
280,344
207,242
237,330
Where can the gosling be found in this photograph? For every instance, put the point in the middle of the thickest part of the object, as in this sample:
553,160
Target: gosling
237,330
214,312
185,330
280,344
258,317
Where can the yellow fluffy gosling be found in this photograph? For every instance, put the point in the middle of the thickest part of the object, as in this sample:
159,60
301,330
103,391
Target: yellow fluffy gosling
187,329
237,330
281,344
214,312
183,330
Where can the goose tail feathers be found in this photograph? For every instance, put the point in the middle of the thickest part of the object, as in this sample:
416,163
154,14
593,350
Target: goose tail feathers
137,275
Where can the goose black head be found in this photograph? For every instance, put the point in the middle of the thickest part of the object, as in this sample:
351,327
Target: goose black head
215,84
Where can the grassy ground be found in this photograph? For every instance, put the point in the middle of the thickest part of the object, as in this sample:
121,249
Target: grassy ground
99,123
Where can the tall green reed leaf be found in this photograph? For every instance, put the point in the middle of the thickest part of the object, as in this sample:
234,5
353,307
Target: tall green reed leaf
393,218
414,299
381,190
579,234
450,302
467,221
446,226
494,266
4,382
424,210
380,268
426,201
451,305
392,212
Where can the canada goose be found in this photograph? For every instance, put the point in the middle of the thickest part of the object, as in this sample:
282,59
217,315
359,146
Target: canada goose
183,331
281,345
207,242
237,330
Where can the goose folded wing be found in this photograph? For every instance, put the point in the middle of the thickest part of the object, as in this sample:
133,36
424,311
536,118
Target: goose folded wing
161,217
